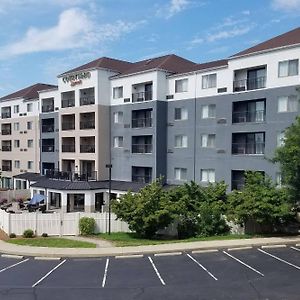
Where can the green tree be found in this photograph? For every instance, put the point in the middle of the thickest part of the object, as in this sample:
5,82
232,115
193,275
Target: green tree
260,201
146,211
288,156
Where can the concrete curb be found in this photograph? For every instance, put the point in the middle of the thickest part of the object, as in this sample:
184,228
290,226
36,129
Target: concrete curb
7,248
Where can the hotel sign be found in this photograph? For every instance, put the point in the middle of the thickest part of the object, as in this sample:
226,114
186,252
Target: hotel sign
76,79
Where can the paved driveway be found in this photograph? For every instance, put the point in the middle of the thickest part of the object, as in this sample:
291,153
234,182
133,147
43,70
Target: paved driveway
269,273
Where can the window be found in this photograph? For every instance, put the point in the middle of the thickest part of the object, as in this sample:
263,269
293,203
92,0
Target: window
278,179
16,109
30,165
118,141
29,107
181,85
288,68
209,81
30,143
207,175
118,92
181,114
17,164
17,143
280,139
16,126
208,111
208,140
181,141
29,125
287,104
118,117
180,173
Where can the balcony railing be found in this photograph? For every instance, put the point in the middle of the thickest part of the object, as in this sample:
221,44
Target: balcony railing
87,100
142,96
67,103
141,148
69,175
48,128
6,168
5,115
48,148
141,178
141,122
87,124
68,148
47,108
248,148
87,148
6,148
249,84
6,131
248,116
68,126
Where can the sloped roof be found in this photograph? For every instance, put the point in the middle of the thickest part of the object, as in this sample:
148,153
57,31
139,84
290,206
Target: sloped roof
30,92
209,65
103,62
29,176
287,39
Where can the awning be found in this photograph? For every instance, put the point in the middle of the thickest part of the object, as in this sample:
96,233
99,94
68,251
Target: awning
37,198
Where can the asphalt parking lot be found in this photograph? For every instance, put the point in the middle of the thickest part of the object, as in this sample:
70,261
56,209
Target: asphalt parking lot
268,273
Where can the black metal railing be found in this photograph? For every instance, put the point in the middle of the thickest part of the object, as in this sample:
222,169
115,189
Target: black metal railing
141,122
249,84
48,148
87,100
5,115
248,148
47,108
141,148
48,128
68,148
87,124
67,125
6,131
87,148
142,96
6,148
67,103
248,116
70,175
141,178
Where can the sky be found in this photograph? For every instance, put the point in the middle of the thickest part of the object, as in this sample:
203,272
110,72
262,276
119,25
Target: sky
40,39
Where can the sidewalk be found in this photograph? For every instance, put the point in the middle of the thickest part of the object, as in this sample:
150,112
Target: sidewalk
7,248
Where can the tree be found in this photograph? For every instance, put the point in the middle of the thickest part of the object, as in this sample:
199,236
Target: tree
288,156
146,211
259,201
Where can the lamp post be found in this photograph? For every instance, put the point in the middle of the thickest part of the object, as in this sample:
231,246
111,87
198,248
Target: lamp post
109,166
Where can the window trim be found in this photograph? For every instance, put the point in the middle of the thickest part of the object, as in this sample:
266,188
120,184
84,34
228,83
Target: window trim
184,87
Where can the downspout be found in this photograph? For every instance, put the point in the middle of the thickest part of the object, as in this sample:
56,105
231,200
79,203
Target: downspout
195,116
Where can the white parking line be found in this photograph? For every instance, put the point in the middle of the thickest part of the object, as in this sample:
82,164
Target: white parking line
280,259
14,265
194,260
156,271
241,262
294,248
51,271
105,273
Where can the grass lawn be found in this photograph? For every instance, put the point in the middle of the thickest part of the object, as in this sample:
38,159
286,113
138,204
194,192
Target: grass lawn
51,242
121,239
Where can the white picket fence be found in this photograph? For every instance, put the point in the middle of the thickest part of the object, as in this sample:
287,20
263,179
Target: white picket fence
57,223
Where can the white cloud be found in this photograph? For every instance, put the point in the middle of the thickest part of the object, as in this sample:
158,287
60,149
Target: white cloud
172,8
226,34
74,30
286,5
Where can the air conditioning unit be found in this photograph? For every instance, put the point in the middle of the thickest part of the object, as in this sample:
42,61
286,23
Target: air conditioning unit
170,124
126,100
221,151
170,151
222,121
169,97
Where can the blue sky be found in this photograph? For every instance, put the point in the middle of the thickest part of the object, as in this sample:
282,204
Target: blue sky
40,39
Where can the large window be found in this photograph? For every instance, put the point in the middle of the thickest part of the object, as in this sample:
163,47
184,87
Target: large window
118,141
208,140
181,85
287,104
181,114
208,111
288,68
208,175
118,117
181,141
209,81
280,138
118,92
30,165
180,173
29,107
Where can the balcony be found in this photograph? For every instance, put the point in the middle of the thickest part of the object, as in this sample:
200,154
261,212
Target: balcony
87,100
142,96
87,125
249,116
47,108
248,148
249,84
6,148
6,129
5,115
69,175
142,123
48,148
48,128
68,126
142,148
67,148
87,96
142,174
48,105
68,103
6,168
141,178
7,165
87,148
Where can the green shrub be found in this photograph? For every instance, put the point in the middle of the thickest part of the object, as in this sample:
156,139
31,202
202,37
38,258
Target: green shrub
87,226
28,233
12,235
45,235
